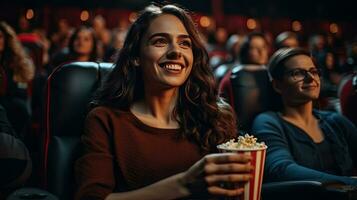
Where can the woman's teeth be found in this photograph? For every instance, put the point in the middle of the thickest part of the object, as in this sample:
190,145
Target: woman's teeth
173,67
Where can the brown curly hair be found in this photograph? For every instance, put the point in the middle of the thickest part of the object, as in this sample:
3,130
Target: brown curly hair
202,116
14,56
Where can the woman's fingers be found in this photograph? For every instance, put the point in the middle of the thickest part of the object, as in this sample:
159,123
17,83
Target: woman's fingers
215,190
215,179
227,158
212,168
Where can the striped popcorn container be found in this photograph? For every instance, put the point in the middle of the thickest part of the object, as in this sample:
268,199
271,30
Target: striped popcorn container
252,189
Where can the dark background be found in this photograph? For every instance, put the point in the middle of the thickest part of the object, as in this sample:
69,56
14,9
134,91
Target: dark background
302,9
275,15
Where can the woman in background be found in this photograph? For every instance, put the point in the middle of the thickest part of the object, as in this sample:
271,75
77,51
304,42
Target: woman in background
82,47
16,72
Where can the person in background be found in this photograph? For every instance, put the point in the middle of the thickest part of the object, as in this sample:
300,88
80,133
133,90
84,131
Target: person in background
216,46
15,161
60,38
82,46
286,39
157,119
233,47
351,62
16,71
304,143
254,49
118,38
104,36
244,86
330,79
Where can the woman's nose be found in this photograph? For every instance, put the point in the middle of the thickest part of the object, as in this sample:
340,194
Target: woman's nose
174,52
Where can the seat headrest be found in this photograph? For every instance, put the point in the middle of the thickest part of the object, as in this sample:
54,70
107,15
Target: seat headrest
69,90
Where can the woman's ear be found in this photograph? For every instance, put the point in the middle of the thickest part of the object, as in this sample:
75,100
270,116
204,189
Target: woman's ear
135,62
276,86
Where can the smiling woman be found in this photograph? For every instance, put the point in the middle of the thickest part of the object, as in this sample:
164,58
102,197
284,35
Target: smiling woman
157,120
166,57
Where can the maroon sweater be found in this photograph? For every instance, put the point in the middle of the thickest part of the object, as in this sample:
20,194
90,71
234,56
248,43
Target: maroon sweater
121,153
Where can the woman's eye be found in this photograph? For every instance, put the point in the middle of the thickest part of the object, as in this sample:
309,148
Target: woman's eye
160,42
186,43
298,73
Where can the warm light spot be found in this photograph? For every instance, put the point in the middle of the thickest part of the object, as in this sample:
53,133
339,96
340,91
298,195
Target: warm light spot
84,15
334,28
251,24
30,14
205,21
296,26
132,17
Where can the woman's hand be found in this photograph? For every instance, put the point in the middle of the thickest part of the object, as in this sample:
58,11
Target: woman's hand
208,174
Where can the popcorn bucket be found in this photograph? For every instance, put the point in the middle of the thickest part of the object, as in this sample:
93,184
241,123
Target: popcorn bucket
252,189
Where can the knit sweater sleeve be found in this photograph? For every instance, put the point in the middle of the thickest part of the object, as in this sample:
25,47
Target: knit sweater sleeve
94,170
350,133
280,164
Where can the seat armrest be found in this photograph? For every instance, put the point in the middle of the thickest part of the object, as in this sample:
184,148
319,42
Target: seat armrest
292,190
308,190
31,193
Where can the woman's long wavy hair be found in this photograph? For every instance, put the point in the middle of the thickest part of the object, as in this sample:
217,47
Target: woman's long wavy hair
14,56
202,116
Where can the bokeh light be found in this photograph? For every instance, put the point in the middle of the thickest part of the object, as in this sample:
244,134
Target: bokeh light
84,15
251,24
334,28
205,21
30,14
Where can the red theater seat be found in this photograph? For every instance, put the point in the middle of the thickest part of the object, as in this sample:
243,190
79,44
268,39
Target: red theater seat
348,97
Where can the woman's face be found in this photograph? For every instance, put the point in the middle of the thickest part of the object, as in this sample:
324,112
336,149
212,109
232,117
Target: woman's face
301,80
83,43
258,51
2,41
166,55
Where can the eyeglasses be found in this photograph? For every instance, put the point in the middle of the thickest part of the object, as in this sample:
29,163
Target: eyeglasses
299,74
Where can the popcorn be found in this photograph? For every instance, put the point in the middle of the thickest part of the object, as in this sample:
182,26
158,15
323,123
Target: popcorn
248,145
244,142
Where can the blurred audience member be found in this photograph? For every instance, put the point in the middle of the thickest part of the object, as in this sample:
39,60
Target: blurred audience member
351,62
103,35
244,86
216,47
253,54
318,48
60,38
254,49
286,39
233,47
331,74
118,38
82,47
15,161
16,70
